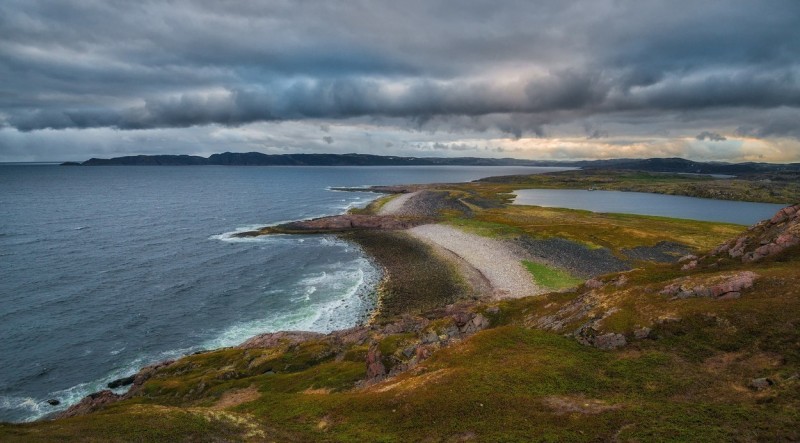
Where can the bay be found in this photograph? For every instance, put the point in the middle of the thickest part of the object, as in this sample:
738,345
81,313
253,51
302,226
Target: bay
107,269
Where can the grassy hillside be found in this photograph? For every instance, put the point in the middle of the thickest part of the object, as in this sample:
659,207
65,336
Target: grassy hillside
707,349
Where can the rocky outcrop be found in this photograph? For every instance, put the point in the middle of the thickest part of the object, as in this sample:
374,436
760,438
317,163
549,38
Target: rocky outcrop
589,336
91,403
376,370
340,223
766,239
120,382
720,287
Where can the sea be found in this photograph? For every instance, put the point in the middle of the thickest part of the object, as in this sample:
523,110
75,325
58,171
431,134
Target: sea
104,270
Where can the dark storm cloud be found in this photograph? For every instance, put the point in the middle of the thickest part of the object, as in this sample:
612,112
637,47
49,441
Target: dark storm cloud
515,68
710,136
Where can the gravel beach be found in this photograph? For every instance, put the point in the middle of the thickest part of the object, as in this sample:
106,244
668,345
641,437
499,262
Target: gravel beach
395,205
494,259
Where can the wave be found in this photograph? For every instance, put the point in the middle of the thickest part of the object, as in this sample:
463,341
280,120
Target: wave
322,302
230,236
28,409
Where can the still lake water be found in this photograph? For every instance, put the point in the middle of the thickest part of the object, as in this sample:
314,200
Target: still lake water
743,213
106,269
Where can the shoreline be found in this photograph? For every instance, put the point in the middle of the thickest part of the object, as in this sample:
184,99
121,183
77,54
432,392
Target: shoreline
350,229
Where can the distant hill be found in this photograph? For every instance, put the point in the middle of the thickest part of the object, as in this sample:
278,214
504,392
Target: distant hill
259,159
678,165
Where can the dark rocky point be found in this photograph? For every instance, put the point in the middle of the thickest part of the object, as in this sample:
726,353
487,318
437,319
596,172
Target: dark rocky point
120,382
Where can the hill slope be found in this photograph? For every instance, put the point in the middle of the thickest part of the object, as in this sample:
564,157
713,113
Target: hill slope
706,349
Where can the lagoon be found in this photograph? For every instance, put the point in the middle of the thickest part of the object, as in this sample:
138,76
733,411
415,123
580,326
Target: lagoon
642,203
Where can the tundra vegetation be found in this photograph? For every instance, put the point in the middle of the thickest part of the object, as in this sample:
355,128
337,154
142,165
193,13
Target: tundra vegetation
700,344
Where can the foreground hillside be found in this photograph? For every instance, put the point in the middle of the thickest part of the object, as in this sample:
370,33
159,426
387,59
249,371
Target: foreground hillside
647,329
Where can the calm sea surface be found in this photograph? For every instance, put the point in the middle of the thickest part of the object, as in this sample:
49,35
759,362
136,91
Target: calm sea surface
743,213
107,269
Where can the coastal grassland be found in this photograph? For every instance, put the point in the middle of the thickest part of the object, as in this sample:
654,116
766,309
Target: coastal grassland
686,381
551,278
131,423
612,231
755,190
526,377
374,207
417,278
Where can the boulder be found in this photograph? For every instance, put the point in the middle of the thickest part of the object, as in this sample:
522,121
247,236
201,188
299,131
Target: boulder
641,333
477,323
609,341
736,283
120,382
759,384
593,283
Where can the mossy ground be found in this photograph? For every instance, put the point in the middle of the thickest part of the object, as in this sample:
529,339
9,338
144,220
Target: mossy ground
687,381
551,278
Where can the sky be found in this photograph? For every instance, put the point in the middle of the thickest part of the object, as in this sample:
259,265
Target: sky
715,80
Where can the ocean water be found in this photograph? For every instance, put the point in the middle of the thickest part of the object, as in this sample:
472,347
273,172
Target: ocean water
676,206
104,270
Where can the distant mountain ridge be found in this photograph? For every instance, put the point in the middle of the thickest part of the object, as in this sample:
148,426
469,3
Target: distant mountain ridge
678,165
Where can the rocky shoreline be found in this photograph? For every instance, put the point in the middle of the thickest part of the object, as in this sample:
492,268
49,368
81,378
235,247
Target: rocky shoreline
433,324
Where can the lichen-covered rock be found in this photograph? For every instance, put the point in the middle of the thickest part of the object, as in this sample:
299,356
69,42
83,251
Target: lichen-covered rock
759,384
642,333
589,336
609,341
477,323
721,287
736,283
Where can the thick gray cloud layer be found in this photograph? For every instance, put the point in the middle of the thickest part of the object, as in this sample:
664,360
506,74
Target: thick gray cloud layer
514,66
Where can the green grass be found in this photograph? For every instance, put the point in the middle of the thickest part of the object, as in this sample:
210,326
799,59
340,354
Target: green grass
551,278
